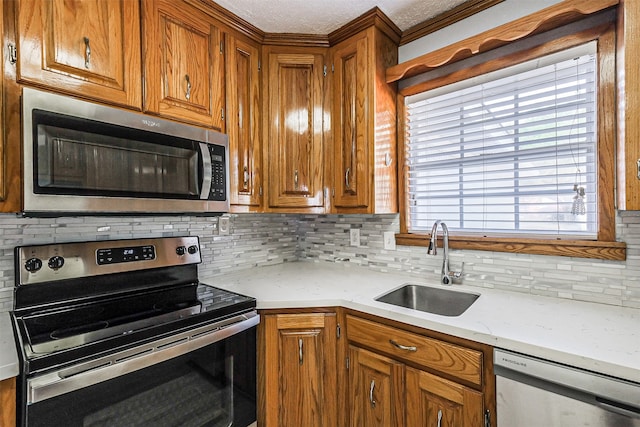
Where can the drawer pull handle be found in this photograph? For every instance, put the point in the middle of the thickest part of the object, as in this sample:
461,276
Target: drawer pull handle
300,353
371,399
439,417
403,347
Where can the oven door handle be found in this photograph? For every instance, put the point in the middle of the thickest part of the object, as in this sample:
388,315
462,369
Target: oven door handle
73,378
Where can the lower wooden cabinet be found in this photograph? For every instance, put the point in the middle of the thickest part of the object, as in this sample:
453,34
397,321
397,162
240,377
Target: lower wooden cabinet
399,377
8,402
385,373
376,389
297,370
434,401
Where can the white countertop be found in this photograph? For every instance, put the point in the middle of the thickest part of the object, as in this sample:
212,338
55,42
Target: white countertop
596,337
8,355
591,336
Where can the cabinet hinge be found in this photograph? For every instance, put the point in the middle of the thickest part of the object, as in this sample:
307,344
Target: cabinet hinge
13,53
221,46
259,65
260,191
347,363
333,68
487,418
222,114
338,331
324,72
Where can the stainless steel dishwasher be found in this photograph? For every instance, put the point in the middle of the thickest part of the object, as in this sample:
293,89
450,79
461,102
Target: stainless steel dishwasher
532,392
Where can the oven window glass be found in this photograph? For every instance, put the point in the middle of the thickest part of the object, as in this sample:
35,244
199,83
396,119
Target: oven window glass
78,156
213,386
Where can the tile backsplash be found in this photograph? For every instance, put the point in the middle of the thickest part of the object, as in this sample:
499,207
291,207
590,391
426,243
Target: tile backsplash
265,239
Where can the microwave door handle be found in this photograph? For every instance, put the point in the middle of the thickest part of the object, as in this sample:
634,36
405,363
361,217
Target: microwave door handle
207,174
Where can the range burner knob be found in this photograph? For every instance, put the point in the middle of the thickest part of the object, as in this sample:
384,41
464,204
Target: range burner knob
193,249
56,262
33,264
180,250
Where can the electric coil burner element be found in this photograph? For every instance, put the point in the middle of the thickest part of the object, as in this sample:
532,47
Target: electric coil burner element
103,324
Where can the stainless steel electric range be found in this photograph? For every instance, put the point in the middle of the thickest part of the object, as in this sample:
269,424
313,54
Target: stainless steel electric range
122,333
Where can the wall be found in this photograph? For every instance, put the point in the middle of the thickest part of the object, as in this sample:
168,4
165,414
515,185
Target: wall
265,239
502,13
256,240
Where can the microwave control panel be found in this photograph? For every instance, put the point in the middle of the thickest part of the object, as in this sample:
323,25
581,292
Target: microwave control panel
218,173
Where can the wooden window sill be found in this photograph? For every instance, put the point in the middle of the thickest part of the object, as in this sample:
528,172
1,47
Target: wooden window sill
614,251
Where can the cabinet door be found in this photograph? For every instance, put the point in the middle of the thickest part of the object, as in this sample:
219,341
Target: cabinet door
183,63
295,130
85,47
434,401
243,122
350,110
300,373
375,389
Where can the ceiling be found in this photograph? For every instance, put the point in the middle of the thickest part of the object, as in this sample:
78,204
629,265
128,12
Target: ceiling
325,16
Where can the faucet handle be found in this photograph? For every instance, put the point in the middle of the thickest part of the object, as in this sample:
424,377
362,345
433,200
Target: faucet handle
455,275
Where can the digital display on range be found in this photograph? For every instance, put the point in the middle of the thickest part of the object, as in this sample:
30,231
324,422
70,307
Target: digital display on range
130,254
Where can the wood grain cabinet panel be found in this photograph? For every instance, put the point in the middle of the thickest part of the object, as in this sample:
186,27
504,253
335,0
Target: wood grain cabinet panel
364,124
440,383
377,389
298,373
295,130
435,401
8,402
89,48
183,63
243,123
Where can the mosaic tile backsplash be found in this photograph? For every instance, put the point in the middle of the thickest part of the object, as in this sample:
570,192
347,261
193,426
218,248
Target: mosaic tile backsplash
264,239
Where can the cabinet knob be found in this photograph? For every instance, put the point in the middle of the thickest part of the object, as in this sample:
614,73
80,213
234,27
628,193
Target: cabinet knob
300,354
372,387
245,179
187,95
87,53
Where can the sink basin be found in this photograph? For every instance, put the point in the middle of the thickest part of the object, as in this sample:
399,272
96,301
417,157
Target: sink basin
431,300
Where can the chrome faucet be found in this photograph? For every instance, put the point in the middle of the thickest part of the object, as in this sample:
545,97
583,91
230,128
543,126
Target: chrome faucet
447,275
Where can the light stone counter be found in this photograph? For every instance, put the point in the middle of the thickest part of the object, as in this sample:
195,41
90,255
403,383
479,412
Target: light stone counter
9,366
591,336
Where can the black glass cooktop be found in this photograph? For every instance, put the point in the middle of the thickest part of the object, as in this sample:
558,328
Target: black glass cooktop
116,321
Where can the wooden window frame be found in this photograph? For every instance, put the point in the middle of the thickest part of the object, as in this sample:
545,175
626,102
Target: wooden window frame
605,245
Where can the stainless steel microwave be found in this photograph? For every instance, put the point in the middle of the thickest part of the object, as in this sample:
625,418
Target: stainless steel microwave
85,158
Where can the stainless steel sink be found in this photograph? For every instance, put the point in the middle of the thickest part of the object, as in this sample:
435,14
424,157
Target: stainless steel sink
431,300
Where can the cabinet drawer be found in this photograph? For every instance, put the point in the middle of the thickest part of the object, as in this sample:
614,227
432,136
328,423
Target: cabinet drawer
450,359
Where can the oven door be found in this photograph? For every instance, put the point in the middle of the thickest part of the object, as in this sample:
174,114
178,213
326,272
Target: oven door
213,385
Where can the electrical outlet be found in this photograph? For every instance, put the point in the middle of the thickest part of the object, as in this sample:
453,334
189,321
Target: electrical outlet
354,237
389,242
223,225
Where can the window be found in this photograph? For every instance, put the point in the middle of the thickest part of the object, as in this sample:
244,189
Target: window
513,151
515,148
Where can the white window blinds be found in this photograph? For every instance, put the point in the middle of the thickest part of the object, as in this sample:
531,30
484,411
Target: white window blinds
510,152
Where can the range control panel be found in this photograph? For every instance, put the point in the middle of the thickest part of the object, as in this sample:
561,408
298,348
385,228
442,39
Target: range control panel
60,261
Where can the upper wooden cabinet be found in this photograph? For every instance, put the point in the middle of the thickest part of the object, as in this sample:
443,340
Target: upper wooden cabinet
364,124
294,128
183,63
89,48
628,79
243,123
